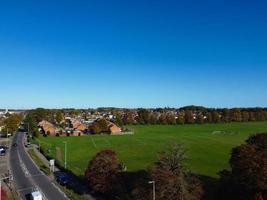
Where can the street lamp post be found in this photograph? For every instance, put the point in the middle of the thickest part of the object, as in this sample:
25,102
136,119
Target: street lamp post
154,189
7,137
65,154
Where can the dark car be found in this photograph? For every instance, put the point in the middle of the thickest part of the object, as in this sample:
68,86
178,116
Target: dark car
62,179
3,147
28,144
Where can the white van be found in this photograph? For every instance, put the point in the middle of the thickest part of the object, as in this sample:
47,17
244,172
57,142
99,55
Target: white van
36,195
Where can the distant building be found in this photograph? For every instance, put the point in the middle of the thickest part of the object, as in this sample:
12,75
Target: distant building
78,125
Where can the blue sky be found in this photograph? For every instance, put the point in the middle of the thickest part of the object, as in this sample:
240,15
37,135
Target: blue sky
133,53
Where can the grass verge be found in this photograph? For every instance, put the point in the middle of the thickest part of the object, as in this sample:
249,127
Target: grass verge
72,195
39,162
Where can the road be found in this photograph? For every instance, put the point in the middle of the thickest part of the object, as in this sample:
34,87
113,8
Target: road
27,176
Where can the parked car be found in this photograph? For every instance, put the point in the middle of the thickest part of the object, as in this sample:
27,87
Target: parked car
37,195
2,151
28,144
62,178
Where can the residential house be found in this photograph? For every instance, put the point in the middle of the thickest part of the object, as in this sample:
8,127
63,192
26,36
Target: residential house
47,128
78,125
113,128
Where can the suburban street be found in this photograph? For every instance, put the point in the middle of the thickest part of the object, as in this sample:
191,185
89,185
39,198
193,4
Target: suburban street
27,176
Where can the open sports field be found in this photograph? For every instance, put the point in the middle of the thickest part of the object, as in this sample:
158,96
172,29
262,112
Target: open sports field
208,146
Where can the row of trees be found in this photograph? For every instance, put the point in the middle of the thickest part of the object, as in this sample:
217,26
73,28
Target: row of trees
191,115
11,123
246,180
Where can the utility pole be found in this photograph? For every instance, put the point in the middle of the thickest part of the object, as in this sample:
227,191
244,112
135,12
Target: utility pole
7,140
154,189
65,154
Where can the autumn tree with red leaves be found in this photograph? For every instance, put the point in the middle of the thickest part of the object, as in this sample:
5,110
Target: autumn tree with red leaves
3,194
102,170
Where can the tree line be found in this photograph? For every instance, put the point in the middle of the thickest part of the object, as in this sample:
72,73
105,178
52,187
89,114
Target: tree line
190,115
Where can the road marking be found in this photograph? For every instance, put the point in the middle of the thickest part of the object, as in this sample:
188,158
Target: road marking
93,141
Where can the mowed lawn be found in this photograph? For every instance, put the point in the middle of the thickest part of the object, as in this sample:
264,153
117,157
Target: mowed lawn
208,146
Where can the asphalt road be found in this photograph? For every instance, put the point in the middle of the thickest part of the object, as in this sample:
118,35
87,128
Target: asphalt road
27,176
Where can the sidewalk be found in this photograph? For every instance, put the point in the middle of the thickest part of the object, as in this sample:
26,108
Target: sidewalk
42,157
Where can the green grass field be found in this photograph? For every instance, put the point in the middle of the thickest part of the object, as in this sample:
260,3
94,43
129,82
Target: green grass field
208,146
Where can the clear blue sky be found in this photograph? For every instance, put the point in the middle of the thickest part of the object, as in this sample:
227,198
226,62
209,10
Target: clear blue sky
133,53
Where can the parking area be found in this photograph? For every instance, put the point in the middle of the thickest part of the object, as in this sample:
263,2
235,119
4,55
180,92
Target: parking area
4,151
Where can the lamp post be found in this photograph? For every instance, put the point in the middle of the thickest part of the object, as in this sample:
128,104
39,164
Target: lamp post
65,154
154,189
7,139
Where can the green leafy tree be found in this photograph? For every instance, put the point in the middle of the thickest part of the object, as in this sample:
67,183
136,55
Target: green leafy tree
58,117
11,123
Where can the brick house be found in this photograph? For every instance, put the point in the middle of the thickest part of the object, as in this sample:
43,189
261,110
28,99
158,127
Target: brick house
47,128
